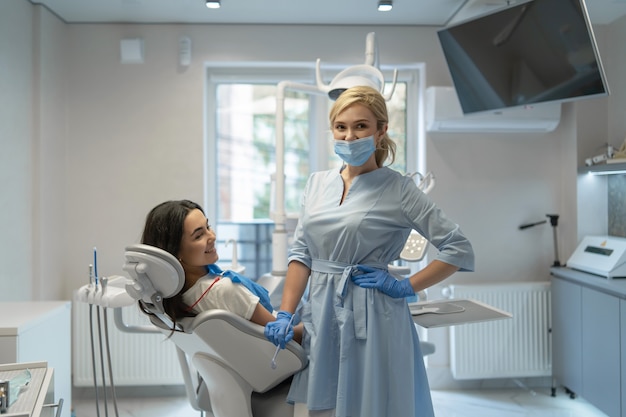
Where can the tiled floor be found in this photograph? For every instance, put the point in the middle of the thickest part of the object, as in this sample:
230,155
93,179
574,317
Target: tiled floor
479,403
510,403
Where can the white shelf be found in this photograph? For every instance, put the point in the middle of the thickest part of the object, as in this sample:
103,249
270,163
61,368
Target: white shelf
604,169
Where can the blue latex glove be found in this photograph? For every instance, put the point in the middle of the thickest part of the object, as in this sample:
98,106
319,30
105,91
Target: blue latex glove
383,281
280,332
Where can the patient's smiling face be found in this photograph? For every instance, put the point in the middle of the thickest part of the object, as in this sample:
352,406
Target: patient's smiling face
197,248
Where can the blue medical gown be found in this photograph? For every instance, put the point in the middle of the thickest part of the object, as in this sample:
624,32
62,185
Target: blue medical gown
364,354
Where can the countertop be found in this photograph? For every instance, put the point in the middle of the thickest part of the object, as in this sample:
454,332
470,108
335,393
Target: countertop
615,286
18,317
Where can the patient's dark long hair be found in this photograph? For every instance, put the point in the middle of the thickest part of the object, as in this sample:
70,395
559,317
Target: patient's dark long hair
164,230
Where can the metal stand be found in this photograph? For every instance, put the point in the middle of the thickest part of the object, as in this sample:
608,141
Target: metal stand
554,221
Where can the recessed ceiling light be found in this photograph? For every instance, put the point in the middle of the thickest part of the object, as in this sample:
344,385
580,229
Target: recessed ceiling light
385,5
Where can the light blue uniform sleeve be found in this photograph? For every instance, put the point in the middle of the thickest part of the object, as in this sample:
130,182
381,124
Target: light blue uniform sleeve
431,222
299,250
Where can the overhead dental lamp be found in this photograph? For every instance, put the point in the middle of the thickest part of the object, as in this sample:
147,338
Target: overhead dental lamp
355,75
213,4
365,74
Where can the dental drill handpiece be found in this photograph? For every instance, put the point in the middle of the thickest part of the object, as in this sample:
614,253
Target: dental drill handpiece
274,365
90,289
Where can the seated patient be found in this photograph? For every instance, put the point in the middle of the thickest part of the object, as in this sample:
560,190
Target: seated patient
182,229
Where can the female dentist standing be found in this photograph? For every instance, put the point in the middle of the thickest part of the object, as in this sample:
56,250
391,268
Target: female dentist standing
364,354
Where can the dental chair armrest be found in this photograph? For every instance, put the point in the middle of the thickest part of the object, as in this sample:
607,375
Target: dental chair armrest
241,345
245,326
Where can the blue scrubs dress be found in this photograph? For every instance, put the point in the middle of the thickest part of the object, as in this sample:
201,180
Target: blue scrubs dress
364,354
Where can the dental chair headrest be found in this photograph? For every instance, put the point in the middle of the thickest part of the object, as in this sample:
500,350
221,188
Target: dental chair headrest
156,274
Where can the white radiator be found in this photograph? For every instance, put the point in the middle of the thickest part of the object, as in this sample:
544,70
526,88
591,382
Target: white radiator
510,348
136,359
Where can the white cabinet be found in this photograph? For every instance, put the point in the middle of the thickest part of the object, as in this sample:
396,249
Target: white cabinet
589,338
601,351
622,308
567,334
40,331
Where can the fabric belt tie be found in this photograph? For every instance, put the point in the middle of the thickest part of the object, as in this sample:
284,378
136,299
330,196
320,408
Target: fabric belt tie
359,295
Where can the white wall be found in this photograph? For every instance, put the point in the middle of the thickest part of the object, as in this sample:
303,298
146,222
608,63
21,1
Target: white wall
32,152
49,155
616,68
16,165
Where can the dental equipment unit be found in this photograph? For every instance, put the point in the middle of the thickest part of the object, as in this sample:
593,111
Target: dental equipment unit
604,256
102,293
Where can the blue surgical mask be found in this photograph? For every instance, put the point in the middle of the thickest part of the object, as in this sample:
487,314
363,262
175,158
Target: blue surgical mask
355,152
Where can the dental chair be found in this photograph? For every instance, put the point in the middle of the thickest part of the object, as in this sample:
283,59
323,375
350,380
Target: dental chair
225,359
414,251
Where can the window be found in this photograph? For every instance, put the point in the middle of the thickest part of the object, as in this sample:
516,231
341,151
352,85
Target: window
246,126
241,153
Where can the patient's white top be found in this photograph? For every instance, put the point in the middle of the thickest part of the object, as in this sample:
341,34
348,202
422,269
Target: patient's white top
224,295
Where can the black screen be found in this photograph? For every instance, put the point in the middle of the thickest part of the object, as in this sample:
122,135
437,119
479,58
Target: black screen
599,251
534,52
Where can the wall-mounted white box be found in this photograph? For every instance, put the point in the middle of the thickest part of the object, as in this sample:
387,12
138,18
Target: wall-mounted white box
131,51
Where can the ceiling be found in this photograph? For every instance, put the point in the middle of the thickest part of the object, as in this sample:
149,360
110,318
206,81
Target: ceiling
340,12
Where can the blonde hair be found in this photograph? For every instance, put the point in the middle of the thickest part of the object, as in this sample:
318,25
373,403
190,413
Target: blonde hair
373,100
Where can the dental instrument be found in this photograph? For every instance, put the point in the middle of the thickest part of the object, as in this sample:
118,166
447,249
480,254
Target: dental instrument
101,347
95,264
104,391
108,349
90,290
274,365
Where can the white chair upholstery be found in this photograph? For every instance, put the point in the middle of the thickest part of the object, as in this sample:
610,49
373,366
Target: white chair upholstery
231,354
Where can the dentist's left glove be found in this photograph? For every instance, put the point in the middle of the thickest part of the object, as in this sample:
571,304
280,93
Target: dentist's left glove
280,332
383,281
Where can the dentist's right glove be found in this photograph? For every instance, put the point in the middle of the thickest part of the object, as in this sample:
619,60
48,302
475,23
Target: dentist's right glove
383,281
280,332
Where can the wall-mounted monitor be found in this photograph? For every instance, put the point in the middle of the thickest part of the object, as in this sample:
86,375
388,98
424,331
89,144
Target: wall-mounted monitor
533,52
